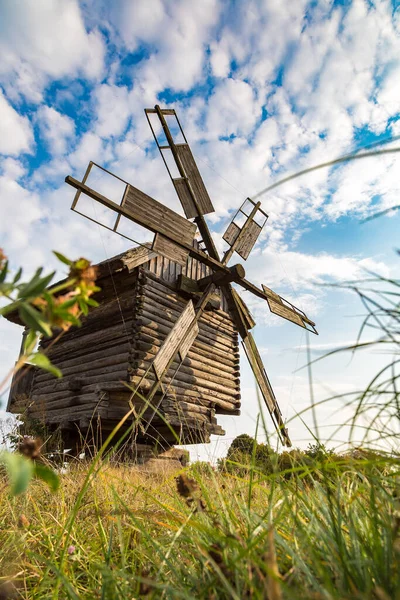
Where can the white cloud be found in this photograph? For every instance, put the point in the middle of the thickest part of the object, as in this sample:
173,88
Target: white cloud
16,135
21,211
138,21
12,168
112,110
55,128
178,33
44,40
90,147
233,109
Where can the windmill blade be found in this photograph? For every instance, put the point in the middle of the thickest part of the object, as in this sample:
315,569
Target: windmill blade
285,309
244,311
178,342
179,339
244,229
266,390
188,184
241,321
174,233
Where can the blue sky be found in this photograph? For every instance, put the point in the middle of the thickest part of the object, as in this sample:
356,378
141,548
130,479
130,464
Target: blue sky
263,89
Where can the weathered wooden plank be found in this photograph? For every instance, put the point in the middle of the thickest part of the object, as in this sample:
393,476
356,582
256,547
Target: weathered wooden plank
231,233
247,240
168,249
157,217
265,387
138,256
174,339
287,313
277,306
250,322
192,174
259,372
188,341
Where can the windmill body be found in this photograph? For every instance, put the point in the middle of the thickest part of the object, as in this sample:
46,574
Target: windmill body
163,343
105,358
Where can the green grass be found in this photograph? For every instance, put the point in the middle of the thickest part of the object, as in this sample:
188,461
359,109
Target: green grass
134,536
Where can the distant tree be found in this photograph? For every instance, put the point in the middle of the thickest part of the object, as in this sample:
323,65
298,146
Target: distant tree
245,452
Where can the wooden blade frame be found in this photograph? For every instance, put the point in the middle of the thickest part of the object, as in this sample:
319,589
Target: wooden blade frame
178,341
261,376
242,236
173,232
189,185
285,309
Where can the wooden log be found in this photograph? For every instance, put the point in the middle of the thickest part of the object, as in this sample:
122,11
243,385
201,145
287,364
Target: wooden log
41,404
185,416
178,406
63,384
81,373
153,308
94,354
89,411
145,340
156,299
203,372
217,341
144,353
168,319
198,383
88,366
113,333
166,287
185,391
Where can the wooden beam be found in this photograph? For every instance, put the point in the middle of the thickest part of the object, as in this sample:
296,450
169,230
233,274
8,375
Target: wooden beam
236,273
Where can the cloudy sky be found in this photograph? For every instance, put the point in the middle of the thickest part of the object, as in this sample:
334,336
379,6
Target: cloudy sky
263,89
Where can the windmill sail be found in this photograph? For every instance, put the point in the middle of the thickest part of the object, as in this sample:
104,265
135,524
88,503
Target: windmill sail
285,309
244,229
172,230
264,385
188,183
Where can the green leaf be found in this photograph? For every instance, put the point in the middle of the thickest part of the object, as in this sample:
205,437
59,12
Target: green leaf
4,272
68,303
62,258
4,310
42,361
19,470
34,320
47,475
91,302
30,341
17,276
83,306
36,286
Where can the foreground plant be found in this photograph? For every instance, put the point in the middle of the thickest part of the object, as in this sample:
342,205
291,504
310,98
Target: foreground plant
44,311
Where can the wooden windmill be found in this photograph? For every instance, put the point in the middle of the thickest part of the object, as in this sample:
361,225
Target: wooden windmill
169,318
